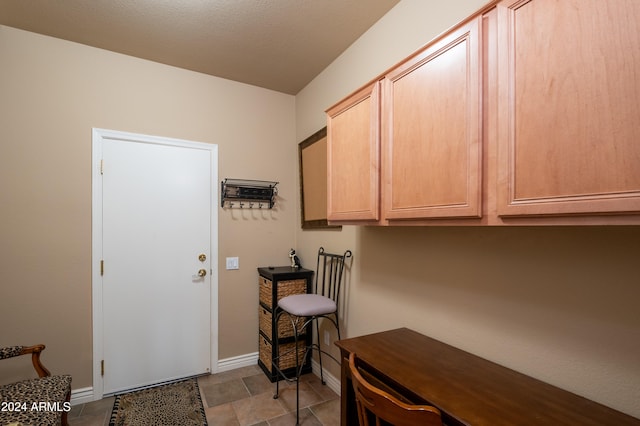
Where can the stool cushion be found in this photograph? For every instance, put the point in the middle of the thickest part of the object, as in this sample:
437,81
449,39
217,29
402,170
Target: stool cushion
307,305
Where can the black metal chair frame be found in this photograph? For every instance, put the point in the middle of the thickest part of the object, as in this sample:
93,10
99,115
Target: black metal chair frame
328,282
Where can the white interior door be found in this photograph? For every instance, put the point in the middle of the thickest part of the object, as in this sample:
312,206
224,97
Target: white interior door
157,203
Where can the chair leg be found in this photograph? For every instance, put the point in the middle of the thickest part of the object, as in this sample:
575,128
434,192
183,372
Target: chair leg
277,394
319,352
273,366
298,367
295,339
308,348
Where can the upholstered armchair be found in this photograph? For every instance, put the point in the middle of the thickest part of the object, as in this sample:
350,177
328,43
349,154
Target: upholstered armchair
41,401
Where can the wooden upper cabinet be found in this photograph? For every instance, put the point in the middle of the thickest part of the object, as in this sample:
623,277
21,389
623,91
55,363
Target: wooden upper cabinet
431,130
353,157
528,112
568,107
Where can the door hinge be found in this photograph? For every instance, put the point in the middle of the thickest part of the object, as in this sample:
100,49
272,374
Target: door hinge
101,267
101,167
102,367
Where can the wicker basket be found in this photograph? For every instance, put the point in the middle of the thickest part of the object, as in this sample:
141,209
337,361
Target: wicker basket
285,328
285,288
287,354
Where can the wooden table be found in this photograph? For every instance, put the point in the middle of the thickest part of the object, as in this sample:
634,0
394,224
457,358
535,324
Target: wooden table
469,390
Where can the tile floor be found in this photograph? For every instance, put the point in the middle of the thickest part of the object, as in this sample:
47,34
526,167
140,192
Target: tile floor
243,397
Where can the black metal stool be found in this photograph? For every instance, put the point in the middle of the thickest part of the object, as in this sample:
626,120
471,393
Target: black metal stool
303,309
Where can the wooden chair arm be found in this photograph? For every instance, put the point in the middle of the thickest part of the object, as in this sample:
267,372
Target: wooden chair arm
35,359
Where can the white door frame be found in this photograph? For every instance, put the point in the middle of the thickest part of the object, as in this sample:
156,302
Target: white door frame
98,136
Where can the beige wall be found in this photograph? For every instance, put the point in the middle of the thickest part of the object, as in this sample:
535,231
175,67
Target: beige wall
557,303
52,93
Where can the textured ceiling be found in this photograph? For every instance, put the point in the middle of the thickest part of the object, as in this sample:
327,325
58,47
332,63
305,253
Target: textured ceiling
276,44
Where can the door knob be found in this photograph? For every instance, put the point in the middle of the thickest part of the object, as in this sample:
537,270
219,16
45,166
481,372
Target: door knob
202,273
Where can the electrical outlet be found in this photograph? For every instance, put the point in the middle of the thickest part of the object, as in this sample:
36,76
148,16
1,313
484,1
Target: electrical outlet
233,263
327,340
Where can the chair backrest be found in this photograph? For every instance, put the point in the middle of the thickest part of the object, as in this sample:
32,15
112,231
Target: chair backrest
329,273
376,407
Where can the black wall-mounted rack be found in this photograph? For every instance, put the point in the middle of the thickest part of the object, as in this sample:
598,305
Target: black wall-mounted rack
246,193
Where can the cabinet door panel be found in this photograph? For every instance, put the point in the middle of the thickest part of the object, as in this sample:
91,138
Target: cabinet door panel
569,107
353,152
432,129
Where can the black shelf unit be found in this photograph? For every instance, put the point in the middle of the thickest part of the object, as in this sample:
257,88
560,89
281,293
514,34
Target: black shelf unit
275,282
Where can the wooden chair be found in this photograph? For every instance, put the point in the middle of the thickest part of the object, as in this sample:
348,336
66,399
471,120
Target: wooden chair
377,407
41,401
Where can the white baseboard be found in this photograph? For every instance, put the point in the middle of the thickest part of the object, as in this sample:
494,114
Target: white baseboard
330,379
252,359
237,362
82,396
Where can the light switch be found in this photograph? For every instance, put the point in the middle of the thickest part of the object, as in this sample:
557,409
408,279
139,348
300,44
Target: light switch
233,263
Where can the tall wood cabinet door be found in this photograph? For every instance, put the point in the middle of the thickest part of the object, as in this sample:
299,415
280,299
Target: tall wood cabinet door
353,157
431,131
568,107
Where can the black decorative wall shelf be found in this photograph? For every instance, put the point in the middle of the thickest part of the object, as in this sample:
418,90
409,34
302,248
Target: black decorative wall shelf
246,193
